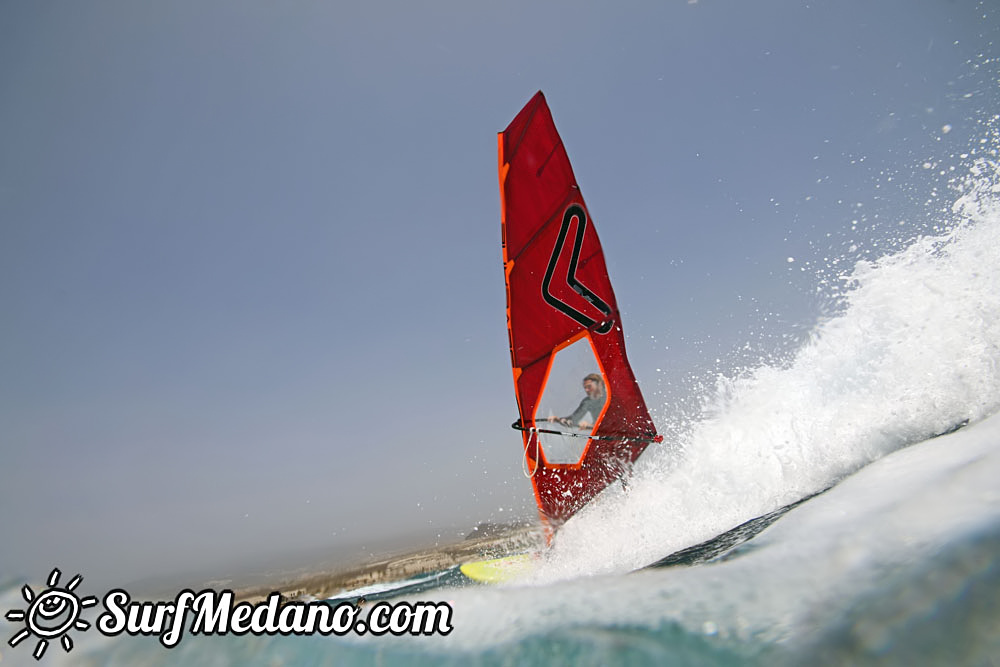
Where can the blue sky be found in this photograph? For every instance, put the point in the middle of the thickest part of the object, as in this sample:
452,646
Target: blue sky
250,251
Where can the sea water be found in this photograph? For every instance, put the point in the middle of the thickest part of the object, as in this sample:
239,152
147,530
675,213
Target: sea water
895,559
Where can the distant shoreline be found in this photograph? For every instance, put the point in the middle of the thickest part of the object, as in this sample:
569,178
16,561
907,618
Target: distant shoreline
486,541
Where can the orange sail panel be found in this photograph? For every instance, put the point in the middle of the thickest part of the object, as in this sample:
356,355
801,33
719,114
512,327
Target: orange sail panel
562,315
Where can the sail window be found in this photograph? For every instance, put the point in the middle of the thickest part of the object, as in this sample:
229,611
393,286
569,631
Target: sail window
565,396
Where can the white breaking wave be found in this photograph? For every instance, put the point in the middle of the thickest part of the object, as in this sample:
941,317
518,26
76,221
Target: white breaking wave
914,352
810,577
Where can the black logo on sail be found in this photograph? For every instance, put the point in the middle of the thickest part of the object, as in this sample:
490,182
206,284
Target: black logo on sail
578,212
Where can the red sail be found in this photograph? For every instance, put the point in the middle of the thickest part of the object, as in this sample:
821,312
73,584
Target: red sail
558,295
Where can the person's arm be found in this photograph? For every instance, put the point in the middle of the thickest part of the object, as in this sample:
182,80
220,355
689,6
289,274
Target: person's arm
574,419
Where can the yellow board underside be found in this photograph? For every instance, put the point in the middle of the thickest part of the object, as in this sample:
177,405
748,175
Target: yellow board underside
499,570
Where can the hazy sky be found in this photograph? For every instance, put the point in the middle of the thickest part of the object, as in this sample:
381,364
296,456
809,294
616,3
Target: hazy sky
250,277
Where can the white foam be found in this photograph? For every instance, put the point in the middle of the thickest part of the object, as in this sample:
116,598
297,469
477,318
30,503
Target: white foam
870,537
914,351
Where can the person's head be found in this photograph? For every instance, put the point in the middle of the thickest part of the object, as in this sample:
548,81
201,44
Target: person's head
593,384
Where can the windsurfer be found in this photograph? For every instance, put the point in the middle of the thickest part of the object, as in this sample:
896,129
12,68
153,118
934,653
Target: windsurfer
593,403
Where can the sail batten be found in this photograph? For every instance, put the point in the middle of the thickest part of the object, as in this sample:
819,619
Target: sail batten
559,298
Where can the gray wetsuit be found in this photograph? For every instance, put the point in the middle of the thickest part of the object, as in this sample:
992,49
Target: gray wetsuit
591,405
